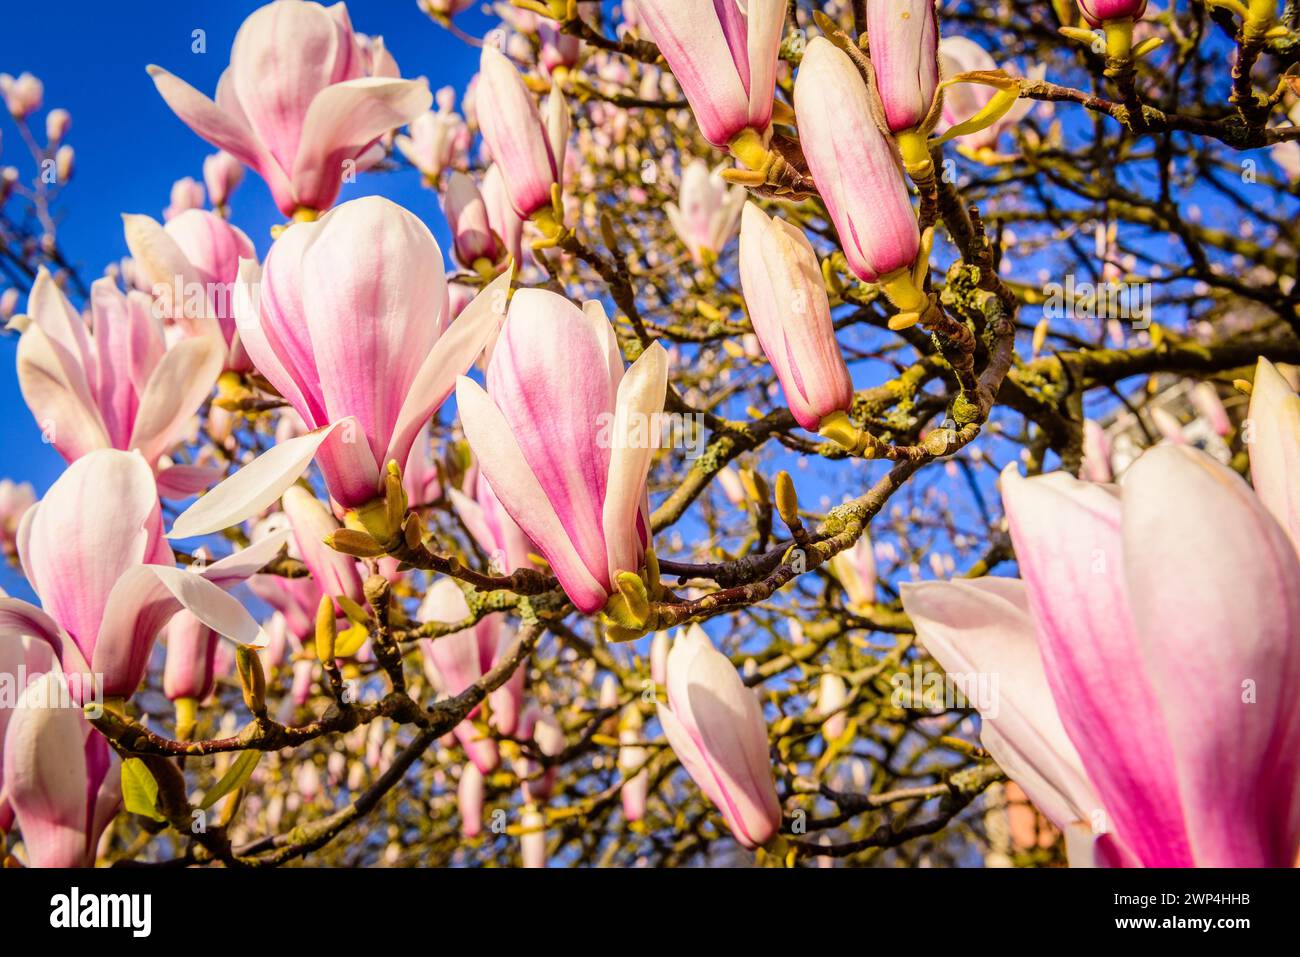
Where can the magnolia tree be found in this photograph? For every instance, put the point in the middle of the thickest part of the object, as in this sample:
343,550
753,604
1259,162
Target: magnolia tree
825,438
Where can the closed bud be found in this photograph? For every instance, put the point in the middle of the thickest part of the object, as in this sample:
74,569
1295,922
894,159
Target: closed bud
252,680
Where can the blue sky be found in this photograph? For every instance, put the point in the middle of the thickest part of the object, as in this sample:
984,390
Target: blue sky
130,147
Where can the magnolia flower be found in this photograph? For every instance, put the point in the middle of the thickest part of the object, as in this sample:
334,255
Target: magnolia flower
57,124
469,800
23,96
504,219
724,55
1096,453
296,103
558,50
61,778
222,173
295,599
961,101
715,727
904,39
188,671
568,457
311,523
789,310
1097,12
94,553
709,214
114,384
1275,446
421,478
462,658
492,527
345,320
187,193
15,499
191,264
1145,661
532,842
632,758
16,655
854,165
537,781
445,9
832,693
855,568
528,151
474,240
434,139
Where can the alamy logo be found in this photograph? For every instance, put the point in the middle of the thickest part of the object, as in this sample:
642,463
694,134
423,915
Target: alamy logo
132,911
1106,300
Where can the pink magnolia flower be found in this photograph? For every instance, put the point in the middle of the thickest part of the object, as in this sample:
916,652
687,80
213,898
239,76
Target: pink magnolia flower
346,321
61,778
855,568
445,8
1274,446
18,656
709,211
1144,661
855,167
904,40
724,55
189,670
295,599
187,193
832,693
222,174
334,573
23,96
1096,453
467,216
192,263
715,727
528,150
94,552
421,478
492,527
469,800
113,384
631,761
502,215
57,124
787,305
296,103
434,140
532,842
15,499
588,516
1097,12
961,101
559,50
462,658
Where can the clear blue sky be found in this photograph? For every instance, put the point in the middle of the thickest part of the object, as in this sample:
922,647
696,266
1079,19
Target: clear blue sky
130,147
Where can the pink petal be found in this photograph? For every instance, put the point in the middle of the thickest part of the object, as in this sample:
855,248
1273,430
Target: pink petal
341,121
503,462
1215,590
634,441
1274,447
253,488
1068,541
982,631
179,385
451,356
691,38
